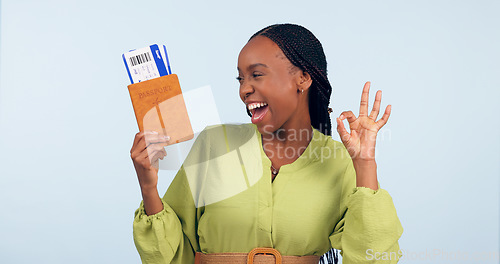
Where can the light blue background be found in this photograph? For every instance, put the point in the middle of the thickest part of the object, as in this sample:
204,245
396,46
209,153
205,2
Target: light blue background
67,184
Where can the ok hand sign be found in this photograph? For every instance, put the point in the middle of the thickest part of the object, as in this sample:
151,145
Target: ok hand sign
360,142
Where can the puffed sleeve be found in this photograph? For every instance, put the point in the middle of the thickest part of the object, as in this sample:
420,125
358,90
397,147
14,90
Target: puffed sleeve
369,228
170,236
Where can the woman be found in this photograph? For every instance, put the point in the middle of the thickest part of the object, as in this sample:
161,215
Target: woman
280,183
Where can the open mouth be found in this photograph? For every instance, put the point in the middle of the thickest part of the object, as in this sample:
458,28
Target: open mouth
258,111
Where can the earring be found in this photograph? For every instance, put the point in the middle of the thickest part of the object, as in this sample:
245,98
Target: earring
301,91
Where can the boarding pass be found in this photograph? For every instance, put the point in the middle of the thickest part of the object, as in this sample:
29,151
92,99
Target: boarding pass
147,63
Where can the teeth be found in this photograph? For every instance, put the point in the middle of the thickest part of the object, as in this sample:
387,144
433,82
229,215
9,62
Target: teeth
256,105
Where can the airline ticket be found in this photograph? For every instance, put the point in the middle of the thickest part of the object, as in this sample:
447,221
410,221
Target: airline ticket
147,63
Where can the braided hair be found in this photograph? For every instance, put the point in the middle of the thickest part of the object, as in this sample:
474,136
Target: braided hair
305,51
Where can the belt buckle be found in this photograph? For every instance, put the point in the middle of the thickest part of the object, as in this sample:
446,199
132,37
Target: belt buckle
264,251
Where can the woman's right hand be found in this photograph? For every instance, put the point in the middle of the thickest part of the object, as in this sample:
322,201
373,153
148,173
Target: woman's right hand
148,147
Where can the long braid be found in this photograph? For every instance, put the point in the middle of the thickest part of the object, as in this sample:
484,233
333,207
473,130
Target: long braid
305,51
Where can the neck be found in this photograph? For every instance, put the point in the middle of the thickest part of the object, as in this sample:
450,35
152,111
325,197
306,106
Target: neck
286,144
289,136
296,131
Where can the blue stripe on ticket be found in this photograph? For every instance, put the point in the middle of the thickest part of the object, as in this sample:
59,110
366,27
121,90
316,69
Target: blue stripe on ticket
128,70
166,58
146,63
159,60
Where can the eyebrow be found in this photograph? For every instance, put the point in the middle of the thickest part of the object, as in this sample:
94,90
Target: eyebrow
254,65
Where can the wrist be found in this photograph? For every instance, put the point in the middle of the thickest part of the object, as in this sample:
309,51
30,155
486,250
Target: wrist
364,163
152,201
149,191
366,173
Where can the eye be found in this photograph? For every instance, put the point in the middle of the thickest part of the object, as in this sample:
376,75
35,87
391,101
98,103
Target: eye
256,74
239,79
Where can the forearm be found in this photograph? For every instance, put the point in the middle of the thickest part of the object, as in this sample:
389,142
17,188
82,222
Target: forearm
152,201
366,173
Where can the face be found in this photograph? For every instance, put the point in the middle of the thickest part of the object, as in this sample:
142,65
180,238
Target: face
270,85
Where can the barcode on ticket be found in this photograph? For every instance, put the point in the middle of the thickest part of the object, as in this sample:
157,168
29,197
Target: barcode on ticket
146,63
141,58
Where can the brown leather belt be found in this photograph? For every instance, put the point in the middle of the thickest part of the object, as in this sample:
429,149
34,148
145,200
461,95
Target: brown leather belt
256,256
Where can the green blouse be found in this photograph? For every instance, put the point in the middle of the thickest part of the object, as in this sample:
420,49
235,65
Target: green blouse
223,200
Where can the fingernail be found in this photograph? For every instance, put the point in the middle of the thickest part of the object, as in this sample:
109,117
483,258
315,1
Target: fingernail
166,137
341,117
150,132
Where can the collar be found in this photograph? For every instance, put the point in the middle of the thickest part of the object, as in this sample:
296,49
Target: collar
311,154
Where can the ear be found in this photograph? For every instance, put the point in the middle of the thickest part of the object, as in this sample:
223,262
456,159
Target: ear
304,81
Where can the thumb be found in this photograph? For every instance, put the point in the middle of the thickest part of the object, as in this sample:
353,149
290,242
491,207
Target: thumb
344,135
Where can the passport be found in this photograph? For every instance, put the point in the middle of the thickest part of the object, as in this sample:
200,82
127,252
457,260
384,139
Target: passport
156,94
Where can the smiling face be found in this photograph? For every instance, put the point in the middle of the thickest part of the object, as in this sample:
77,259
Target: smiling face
270,86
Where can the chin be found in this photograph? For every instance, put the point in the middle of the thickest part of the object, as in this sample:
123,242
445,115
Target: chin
266,128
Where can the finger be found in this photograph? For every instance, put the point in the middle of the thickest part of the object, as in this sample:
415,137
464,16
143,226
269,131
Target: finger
148,156
164,154
141,144
143,159
139,136
344,135
385,117
155,139
363,106
376,106
138,147
349,115
155,148
155,161
155,157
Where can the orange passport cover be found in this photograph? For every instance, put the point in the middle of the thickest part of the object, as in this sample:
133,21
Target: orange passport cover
159,105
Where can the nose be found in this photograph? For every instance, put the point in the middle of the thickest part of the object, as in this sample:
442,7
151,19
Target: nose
245,90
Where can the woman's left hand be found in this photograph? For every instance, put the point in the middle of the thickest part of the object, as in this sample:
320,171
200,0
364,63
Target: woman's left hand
360,142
